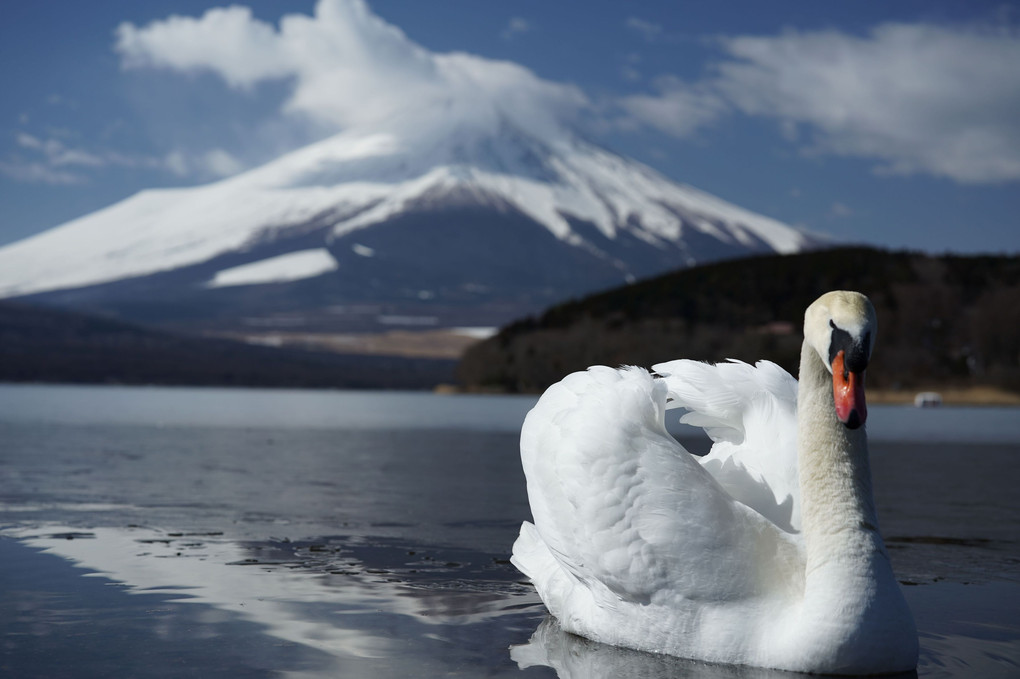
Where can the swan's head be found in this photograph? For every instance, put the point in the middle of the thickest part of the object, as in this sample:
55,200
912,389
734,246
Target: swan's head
841,327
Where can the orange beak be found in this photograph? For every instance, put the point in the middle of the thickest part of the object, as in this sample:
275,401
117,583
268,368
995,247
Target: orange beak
848,394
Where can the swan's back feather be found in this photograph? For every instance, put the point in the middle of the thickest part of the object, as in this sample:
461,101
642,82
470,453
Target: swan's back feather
625,515
750,412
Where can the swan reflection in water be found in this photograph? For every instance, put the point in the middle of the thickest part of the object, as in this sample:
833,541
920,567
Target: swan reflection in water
575,657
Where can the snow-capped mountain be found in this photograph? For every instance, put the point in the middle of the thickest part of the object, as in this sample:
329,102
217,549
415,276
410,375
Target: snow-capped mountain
428,219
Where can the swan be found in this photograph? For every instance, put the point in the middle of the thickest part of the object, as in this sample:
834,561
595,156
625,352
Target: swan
765,552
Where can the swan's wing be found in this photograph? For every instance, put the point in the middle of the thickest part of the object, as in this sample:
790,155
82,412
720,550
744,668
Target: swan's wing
750,412
626,511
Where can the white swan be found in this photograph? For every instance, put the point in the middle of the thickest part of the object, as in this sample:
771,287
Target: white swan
766,552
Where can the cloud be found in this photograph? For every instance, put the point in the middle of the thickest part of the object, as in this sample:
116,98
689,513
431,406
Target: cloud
517,26
35,172
215,163
920,98
56,153
177,162
348,67
916,98
840,210
51,161
646,29
629,70
225,40
679,109
344,66
48,161
221,163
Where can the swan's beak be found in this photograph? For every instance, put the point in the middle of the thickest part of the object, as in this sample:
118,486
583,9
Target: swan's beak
848,393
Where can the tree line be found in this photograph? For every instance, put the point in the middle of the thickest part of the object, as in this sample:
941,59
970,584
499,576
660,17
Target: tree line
943,321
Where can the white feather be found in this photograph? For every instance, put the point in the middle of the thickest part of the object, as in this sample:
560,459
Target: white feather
751,415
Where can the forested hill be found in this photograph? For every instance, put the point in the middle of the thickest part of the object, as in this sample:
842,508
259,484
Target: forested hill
943,321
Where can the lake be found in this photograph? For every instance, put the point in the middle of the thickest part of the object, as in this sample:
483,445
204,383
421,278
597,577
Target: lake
251,533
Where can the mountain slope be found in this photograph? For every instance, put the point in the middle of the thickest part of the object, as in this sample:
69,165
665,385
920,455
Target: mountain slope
49,345
416,215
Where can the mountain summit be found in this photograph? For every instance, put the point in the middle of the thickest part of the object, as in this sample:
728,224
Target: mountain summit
427,220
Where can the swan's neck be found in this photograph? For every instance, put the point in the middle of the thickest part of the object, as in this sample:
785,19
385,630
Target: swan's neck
838,511
851,598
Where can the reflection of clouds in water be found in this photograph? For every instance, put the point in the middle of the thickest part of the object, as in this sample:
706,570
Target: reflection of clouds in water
332,601
574,657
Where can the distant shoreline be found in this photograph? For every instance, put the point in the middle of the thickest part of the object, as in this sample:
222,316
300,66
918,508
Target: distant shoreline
951,396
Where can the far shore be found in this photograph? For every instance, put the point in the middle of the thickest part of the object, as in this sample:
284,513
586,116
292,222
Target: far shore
951,396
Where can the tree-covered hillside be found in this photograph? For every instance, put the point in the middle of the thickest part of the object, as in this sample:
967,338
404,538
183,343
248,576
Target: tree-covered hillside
943,321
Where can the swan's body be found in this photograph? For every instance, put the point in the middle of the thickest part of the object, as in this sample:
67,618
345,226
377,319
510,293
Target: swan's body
765,552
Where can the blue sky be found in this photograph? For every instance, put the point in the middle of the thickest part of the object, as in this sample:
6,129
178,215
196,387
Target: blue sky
895,124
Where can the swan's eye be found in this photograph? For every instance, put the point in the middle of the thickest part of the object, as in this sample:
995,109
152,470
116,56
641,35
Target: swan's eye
856,350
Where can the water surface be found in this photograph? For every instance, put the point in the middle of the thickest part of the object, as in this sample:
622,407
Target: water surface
217,532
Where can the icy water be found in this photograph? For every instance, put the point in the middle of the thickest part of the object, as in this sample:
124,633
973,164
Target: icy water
243,533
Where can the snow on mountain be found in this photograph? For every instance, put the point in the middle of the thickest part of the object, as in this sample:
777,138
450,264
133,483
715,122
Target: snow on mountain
292,266
362,178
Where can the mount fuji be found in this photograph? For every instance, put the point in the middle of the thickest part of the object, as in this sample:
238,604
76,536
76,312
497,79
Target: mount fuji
426,220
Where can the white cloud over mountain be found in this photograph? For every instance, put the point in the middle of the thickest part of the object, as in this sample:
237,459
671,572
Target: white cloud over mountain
916,98
348,66
920,98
